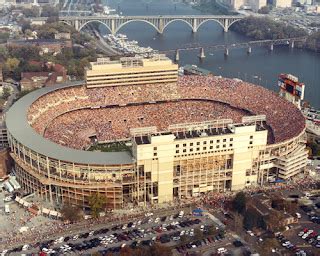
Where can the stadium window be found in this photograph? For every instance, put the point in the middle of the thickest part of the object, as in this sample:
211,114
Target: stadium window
177,145
250,142
211,147
191,149
177,151
184,150
251,137
198,143
224,145
230,145
217,146
224,140
211,141
204,143
218,141
231,139
155,148
204,148
198,149
191,144
184,145
154,154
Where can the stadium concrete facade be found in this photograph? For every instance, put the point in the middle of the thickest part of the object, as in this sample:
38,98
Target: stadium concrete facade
195,136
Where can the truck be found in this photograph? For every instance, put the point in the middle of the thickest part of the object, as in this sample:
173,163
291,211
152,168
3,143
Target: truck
7,209
8,186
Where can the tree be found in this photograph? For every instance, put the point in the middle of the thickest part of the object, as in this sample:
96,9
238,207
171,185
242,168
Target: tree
237,223
267,245
12,64
126,251
198,234
212,230
71,213
251,219
6,92
239,202
184,239
159,250
96,203
49,11
264,10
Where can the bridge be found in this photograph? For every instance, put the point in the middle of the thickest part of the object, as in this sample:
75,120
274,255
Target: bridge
243,45
114,23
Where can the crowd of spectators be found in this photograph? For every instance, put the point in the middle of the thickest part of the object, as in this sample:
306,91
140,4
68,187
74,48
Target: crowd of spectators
70,116
114,123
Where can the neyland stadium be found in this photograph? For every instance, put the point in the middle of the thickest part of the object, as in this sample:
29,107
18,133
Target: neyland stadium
179,137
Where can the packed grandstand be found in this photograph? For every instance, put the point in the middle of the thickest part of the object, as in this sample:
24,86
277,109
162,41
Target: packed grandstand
181,139
71,116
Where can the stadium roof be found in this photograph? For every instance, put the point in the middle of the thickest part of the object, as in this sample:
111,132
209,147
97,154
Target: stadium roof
18,126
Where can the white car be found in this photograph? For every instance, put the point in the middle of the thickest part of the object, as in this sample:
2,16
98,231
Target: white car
286,243
25,247
7,199
3,253
250,233
75,237
221,250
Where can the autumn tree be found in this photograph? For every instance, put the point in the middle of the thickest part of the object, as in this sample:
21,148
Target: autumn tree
71,213
96,203
126,251
11,64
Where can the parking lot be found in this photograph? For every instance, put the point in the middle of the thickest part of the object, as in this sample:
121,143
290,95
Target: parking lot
305,235
168,230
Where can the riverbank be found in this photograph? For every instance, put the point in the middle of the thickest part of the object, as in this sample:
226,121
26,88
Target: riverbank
263,28
212,7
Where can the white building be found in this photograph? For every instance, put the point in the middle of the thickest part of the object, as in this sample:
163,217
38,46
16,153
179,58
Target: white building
283,3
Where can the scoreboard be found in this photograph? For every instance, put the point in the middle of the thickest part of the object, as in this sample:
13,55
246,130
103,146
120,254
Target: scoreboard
291,88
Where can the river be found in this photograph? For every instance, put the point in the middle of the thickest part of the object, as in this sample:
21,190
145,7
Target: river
261,66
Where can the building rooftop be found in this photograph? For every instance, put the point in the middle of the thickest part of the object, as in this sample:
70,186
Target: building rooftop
17,125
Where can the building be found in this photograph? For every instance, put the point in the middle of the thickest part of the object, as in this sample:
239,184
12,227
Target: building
282,3
253,5
65,36
131,70
51,46
34,80
177,146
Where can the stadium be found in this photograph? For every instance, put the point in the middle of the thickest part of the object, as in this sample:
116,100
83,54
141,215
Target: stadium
151,143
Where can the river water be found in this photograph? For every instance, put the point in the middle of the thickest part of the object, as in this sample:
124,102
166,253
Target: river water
261,66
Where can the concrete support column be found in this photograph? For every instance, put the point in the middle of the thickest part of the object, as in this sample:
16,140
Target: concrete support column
161,25
177,56
113,27
201,54
271,47
226,25
76,25
194,25
226,52
292,44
